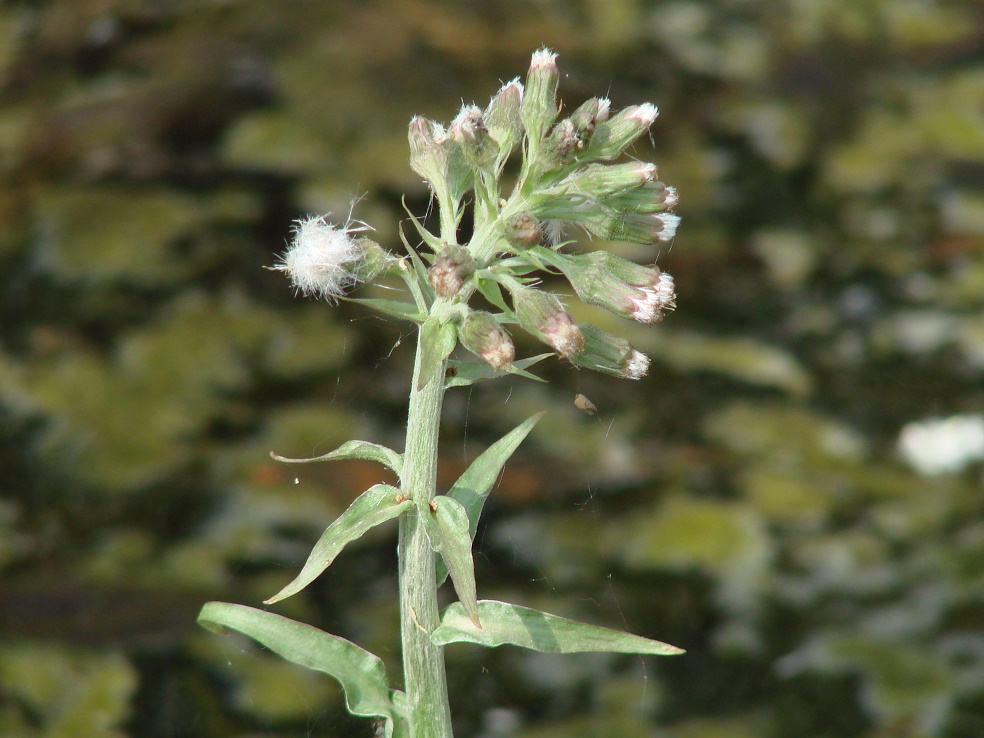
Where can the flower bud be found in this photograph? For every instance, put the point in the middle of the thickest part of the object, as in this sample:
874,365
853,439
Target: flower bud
481,334
522,231
539,107
644,228
610,354
453,267
325,260
589,114
612,137
560,147
541,314
469,132
428,153
633,291
605,181
502,117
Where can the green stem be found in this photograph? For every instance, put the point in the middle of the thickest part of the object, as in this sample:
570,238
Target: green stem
423,662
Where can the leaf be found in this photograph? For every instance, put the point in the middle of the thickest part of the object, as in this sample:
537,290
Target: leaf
355,450
447,527
376,505
470,372
426,236
396,308
493,293
361,674
504,623
437,341
473,486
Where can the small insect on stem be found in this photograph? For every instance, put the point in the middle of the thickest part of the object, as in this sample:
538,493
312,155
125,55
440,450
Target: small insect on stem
400,498
432,504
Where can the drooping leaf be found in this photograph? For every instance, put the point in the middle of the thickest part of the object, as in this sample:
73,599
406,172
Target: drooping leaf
355,450
396,308
504,623
437,341
447,527
376,505
361,674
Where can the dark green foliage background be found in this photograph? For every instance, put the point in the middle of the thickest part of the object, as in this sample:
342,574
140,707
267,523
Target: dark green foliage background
745,501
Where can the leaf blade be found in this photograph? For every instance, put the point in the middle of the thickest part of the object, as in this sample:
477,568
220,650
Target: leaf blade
363,450
361,673
507,624
475,483
447,527
376,505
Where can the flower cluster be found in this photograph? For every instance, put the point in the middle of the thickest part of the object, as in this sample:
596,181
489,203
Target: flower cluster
570,175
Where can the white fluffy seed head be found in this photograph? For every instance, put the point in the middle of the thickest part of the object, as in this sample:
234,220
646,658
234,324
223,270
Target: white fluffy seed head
323,259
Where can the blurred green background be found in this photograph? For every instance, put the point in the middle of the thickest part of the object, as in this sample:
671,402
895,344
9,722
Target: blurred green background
794,494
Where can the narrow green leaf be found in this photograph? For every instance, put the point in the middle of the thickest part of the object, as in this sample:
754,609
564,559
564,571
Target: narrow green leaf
470,372
504,623
376,505
474,485
355,450
493,293
396,308
517,367
361,674
426,236
437,342
447,527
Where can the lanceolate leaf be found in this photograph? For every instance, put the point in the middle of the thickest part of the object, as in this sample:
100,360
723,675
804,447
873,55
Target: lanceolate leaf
355,450
396,308
361,674
474,485
447,527
470,372
503,623
376,505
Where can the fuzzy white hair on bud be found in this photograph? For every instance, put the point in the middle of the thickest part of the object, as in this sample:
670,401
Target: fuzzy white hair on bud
645,114
322,258
637,365
669,229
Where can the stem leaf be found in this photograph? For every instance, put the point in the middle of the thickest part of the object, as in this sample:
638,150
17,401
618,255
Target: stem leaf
376,505
361,674
355,450
447,527
474,485
395,308
504,623
470,372
493,293
437,341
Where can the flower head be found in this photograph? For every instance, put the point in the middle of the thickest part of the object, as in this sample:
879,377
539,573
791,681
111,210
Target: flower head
323,259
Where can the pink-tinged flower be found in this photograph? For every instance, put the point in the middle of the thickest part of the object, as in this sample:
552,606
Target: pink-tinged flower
650,303
604,352
323,260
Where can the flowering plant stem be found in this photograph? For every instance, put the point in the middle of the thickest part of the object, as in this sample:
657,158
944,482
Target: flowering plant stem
423,661
565,178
